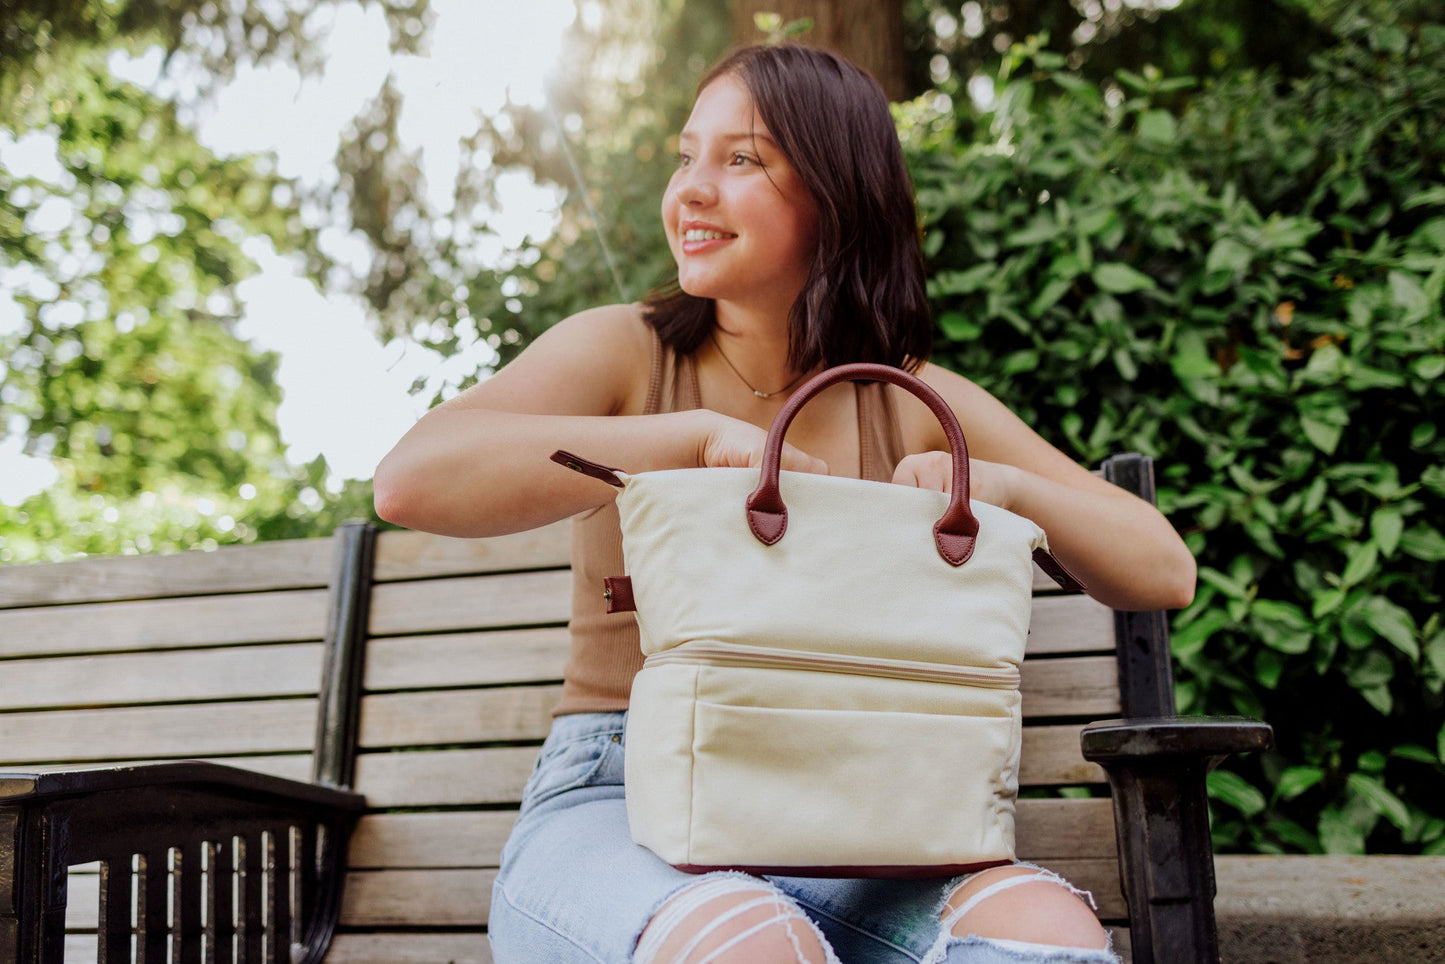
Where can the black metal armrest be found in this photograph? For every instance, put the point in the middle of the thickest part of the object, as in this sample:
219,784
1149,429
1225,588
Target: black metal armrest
1157,739
216,837
1157,768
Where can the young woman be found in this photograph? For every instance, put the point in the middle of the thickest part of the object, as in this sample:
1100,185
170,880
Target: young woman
791,218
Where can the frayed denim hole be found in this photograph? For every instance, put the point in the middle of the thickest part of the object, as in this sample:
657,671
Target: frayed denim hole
744,883
949,919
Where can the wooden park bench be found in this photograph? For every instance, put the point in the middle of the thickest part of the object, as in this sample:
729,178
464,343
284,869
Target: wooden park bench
366,710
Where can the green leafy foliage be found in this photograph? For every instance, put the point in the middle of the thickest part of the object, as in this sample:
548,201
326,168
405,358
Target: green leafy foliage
1108,41
1247,287
42,38
605,139
121,262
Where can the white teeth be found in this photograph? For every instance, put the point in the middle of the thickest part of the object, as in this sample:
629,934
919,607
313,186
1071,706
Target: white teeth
698,234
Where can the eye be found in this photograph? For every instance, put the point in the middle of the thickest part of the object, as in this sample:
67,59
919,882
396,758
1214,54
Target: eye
740,159
684,159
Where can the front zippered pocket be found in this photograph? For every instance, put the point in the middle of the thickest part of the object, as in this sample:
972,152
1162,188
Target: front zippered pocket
758,657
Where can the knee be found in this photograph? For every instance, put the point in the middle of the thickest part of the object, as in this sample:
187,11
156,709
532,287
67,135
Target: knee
730,920
1037,906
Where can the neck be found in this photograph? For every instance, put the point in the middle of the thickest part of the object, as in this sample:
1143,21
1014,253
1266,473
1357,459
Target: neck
748,383
751,342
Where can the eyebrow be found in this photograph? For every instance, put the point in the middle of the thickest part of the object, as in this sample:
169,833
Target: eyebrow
739,136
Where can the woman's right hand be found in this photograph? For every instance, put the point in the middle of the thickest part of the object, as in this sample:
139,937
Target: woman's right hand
733,443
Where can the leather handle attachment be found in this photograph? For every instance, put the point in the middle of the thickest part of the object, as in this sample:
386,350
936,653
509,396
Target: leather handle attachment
954,533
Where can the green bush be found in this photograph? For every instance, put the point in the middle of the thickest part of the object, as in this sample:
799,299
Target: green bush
1244,280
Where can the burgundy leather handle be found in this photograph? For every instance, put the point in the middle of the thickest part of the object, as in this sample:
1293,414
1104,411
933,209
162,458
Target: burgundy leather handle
954,533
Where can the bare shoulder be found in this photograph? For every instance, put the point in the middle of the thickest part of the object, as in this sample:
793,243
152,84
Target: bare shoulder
970,403
595,362
599,333
993,431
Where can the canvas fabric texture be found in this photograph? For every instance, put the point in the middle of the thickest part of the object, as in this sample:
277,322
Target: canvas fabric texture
843,700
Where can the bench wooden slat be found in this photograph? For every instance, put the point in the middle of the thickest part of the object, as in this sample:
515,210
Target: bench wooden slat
81,947
416,840
1052,757
524,713
1070,624
417,898
1046,828
417,555
461,898
461,948
1100,877
157,732
1060,624
445,777
460,716
289,564
167,676
1073,829
287,616
82,909
496,775
1070,686
471,602
409,948
466,659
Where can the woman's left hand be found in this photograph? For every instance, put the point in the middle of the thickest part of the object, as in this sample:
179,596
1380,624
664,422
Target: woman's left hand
987,481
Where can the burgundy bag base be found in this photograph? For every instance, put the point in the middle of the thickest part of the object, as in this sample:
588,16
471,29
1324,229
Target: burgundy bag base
883,871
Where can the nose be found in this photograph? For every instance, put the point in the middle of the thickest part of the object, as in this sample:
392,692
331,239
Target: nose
695,188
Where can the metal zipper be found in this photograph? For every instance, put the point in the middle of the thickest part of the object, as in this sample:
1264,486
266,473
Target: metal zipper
723,654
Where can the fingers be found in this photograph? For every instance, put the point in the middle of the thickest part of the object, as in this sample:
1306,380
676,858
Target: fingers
926,470
988,482
732,443
796,460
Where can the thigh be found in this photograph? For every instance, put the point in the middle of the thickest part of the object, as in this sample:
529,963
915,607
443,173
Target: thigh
573,886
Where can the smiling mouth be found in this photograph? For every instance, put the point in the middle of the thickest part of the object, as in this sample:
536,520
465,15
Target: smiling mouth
699,234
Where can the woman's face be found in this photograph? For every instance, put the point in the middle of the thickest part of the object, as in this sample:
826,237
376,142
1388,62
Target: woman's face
741,224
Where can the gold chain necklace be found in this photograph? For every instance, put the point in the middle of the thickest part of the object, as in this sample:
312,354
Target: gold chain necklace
728,361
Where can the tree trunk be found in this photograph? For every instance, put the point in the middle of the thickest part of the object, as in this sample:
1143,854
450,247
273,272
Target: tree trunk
867,32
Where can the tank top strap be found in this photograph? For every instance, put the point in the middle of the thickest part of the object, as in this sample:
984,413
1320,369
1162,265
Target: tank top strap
672,380
880,443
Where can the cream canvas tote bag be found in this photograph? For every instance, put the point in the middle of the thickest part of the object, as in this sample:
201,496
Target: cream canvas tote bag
832,665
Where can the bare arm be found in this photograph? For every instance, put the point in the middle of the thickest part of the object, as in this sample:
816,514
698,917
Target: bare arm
1122,547
478,465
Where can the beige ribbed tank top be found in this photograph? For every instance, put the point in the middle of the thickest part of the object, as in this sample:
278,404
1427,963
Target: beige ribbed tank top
606,651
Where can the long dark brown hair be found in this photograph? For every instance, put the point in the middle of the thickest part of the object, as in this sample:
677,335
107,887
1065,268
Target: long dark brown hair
864,298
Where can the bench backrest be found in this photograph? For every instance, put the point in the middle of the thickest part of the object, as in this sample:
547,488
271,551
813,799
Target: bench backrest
197,655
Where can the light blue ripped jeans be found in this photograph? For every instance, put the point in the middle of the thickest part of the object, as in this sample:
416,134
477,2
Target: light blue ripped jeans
573,887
